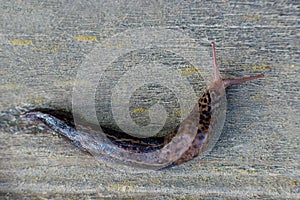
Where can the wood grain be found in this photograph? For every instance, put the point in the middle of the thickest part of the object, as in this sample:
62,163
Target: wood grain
257,156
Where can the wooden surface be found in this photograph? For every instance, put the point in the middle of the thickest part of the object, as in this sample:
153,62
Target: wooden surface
257,156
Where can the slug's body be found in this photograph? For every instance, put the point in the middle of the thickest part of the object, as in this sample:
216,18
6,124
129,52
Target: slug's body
196,134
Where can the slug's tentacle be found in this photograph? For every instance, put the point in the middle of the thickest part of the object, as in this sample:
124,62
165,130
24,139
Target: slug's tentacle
216,68
230,81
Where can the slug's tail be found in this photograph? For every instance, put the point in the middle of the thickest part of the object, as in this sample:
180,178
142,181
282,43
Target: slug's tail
59,127
229,82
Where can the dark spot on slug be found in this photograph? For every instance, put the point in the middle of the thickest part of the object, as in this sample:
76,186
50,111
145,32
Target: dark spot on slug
206,112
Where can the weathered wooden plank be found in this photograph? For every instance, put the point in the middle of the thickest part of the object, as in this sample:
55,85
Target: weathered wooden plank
43,45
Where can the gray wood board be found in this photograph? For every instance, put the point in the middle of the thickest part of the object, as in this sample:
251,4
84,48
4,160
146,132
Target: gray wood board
43,45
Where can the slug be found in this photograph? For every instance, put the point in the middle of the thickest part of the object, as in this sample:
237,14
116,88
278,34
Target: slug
196,135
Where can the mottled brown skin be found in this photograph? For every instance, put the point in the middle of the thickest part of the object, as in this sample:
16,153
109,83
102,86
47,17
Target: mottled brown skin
126,146
204,123
207,105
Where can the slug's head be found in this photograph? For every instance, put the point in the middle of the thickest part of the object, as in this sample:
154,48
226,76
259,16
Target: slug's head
219,82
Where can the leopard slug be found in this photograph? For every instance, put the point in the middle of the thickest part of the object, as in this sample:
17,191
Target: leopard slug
196,135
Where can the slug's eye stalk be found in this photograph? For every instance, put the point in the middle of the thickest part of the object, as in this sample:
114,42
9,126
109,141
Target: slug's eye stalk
217,71
230,81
